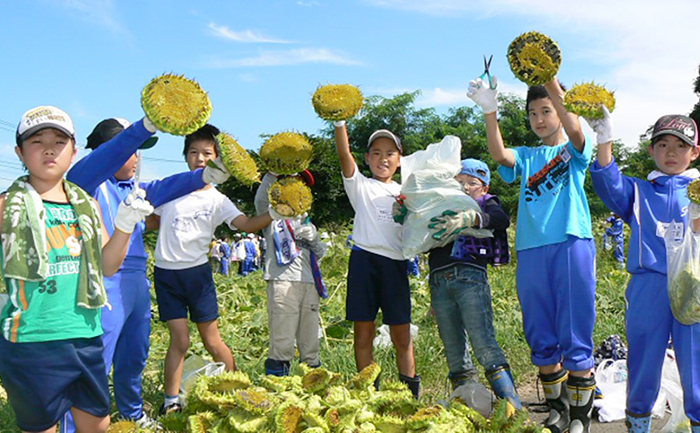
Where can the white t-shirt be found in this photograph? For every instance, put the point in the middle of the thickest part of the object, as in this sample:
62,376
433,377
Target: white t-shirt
187,225
374,229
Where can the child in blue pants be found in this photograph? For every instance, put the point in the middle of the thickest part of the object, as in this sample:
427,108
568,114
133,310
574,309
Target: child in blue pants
554,242
107,174
651,207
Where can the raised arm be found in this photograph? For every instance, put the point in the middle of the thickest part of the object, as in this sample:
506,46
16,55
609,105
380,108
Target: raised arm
342,145
487,98
604,136
570,121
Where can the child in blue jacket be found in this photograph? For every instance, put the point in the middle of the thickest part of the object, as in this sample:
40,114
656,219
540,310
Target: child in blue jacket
651,207
107,174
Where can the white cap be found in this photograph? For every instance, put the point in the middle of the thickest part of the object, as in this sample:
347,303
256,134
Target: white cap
251,236
44,117
386,134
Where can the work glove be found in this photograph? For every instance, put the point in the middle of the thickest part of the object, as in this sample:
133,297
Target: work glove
339,123
451,223
485,97
276,215
215,172
399,210
132,211
693,211
150,127
602,127
306,232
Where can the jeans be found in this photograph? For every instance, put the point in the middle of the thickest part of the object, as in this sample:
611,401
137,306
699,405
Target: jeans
461,299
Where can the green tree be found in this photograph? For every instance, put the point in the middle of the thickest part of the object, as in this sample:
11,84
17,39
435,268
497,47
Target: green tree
695,114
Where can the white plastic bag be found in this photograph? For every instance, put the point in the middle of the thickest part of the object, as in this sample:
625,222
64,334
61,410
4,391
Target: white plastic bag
476,396
384,337
611,378
196,366
428,183
671,393
683,263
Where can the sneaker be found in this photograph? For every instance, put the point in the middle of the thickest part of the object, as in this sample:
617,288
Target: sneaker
171,408
146,422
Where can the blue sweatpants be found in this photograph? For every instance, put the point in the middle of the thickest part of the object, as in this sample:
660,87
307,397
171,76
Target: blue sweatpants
649,322
556,289
126,331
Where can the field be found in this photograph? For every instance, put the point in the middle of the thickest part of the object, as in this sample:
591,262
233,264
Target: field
243,324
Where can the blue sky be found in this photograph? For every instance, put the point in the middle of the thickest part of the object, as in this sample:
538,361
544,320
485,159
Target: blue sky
260,61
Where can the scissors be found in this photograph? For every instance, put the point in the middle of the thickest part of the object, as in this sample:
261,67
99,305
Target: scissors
486,74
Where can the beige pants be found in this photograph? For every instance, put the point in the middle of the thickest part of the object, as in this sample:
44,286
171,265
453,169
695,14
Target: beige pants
292,309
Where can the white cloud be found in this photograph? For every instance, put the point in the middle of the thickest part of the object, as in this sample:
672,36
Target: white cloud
308,3
287,58
248,78
100,13
647,50
247,36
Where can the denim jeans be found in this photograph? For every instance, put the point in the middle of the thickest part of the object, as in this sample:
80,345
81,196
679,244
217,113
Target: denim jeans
461,299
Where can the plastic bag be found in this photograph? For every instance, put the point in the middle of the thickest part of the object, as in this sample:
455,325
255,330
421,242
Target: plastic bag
384,337
683,262
611,378
476,396
428,183
196,366
671,395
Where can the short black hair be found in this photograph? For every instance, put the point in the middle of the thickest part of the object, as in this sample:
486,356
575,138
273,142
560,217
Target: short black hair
538,92
206,133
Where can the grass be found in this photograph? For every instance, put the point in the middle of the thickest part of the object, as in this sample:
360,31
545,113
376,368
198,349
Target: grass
243,324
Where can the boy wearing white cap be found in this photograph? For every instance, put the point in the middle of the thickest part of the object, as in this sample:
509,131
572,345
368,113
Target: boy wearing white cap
377,272
55,253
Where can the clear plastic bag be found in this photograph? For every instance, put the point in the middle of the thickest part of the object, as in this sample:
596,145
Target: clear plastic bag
476,396
196,366
671,397
611,378
683,263
429,185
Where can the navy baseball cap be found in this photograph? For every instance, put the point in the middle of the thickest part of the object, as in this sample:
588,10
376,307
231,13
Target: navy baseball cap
108,128
476,168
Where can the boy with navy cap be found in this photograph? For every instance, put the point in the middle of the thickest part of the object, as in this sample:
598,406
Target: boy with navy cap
655,208
107,173
460,294
377,272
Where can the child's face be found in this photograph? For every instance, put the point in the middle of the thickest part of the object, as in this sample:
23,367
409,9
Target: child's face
128,170
47,154
383,159
473,186
199,153
544,120
673,155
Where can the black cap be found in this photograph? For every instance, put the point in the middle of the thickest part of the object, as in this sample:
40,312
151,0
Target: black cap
108,128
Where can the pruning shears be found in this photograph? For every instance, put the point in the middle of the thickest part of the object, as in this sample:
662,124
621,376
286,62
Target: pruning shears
486,75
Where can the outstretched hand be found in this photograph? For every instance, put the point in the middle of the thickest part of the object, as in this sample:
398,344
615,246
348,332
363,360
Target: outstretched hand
602,127
481,92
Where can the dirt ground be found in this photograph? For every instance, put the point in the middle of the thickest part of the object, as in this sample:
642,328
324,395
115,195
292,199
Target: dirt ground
538,413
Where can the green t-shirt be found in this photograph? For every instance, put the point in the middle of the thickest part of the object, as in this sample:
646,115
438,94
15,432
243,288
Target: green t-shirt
46,310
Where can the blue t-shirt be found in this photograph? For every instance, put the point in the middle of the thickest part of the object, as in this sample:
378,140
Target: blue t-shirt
552,203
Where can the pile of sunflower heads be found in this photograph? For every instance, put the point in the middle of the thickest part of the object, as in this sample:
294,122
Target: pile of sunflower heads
320,401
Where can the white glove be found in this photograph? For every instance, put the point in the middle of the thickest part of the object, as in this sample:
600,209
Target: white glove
339,123
480,92
132,211
602,127
275,215
215,172
693,211
150,127
306,232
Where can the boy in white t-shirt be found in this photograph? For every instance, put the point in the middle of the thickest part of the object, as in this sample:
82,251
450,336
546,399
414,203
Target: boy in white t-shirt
377,272
183,276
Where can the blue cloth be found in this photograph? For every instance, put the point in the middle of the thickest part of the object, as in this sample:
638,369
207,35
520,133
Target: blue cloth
95,174
615,238
375,282
413,267
44,380
225,258
180,290
556,289
552,203
461,299
649,207
649,322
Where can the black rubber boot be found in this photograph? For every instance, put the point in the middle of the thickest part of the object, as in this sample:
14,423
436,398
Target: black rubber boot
276,368
457,379
555,392
413,384
581,392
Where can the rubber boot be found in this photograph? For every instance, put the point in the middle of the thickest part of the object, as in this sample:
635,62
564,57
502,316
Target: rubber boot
276,368
457,379
502,384
413,384
638,423
581,391
555,393
694,427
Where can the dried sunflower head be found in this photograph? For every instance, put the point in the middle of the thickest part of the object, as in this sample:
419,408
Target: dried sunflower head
337,101
585,100
534,58
694,191
290,197
286,153
175,104
237,160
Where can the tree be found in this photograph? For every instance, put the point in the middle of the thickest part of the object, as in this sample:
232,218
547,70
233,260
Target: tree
695,114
